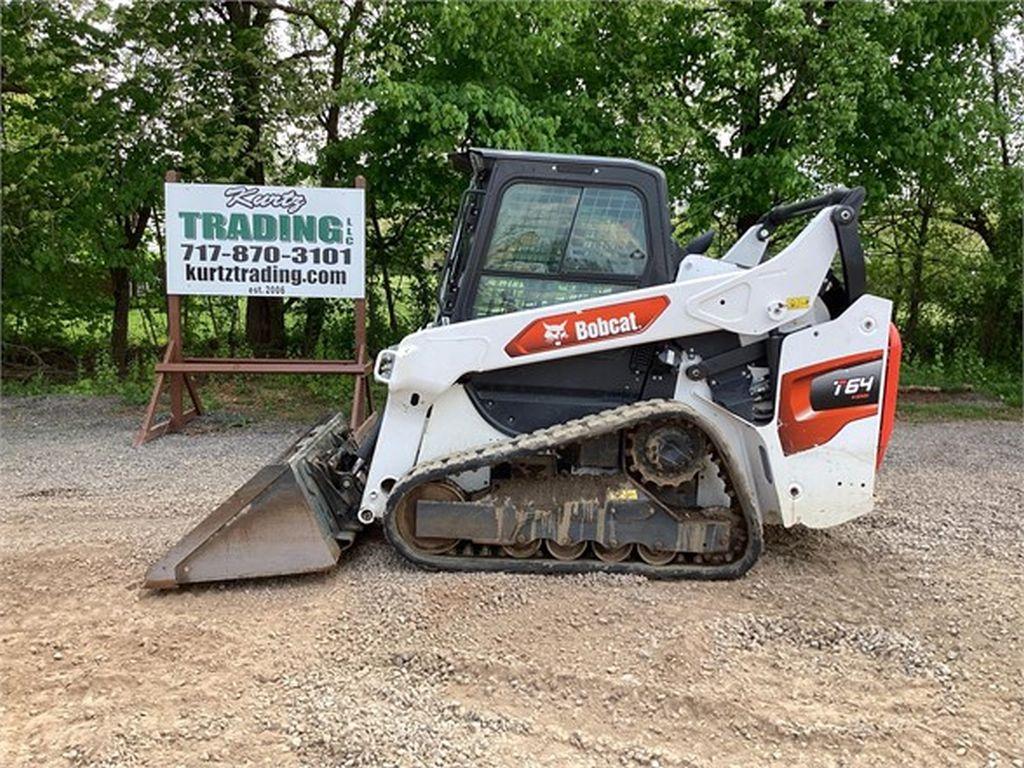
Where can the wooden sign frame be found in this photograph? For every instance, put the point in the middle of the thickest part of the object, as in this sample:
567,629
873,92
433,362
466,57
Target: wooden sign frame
176,371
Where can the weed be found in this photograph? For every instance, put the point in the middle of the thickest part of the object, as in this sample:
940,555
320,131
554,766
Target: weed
963,369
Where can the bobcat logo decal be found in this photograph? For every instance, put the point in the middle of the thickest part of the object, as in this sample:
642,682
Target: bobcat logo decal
555,333
586,326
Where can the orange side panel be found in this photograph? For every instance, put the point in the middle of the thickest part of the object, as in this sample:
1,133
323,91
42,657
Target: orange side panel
800,426
892,381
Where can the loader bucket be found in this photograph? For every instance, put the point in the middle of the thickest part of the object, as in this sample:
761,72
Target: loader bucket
288,518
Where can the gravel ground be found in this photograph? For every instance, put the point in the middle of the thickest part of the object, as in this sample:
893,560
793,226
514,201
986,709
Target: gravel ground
893,640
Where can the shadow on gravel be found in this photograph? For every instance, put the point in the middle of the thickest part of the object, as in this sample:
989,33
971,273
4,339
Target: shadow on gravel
372,554
809,544
273,584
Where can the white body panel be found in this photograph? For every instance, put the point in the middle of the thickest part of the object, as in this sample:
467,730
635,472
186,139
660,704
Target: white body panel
833,482
455,425
697,265
749,249
742,296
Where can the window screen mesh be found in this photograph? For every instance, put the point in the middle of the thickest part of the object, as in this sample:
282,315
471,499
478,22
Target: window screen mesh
532,228
608,236
560,234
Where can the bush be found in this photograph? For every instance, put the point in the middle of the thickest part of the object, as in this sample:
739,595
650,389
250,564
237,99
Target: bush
964,368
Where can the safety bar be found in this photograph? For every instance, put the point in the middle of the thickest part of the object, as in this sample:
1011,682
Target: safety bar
781,213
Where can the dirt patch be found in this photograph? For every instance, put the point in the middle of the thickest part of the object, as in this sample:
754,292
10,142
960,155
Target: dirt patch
922,394
893,640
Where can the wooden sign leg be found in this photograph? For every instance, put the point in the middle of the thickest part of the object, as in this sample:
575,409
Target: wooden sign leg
178,383
177,413
148,431
174,342
193,393
361,385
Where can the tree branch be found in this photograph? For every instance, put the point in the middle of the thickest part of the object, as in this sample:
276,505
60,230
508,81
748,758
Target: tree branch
307,54
303,12
976,222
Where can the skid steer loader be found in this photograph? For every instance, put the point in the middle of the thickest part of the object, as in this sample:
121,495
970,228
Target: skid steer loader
592,396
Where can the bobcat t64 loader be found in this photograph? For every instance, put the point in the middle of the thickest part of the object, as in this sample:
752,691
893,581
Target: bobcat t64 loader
592,396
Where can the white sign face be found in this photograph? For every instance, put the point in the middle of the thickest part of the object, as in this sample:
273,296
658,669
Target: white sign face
251,240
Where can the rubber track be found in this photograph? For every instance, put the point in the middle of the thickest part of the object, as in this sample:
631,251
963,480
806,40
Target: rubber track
532,442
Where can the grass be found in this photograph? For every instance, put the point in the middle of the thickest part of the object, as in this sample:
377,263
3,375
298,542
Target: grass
954,411
239,399
961,387
242,397
298,398
966,373
102,380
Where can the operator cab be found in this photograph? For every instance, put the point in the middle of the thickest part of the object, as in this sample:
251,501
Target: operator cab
536,230
540,229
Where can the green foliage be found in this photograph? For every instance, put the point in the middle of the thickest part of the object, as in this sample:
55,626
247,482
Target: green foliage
102,379
955,411
964,370
52,135
744,104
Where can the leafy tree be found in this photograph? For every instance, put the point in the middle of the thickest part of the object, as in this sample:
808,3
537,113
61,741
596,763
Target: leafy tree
926,143
744,105
59,129
322,78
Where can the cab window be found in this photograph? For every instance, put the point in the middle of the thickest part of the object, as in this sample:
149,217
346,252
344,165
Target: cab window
559,243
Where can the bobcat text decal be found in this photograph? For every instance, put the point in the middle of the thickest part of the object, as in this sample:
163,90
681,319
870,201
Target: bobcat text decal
587,325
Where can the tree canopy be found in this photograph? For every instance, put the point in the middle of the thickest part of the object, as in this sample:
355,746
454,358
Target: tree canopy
744,105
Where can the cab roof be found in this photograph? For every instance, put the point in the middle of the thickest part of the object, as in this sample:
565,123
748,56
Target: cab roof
475,158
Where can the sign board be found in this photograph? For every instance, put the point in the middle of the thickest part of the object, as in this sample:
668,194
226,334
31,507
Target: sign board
253,240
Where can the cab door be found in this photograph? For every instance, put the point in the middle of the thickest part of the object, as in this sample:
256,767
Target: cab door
551,238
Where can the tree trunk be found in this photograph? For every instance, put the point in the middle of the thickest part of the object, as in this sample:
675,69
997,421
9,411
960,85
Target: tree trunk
316,309
995,61
916,288
316,313
133,227
121,285
264,326
247,23
389,295
233,329
749,121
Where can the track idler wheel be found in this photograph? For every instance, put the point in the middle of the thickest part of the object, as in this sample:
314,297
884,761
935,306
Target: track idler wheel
653,556
612,554
522,551
570,551
405,516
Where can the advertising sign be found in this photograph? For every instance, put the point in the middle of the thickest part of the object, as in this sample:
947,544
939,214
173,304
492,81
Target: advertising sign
253,240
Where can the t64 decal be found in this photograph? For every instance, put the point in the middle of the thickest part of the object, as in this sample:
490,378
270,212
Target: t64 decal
817,401
587,325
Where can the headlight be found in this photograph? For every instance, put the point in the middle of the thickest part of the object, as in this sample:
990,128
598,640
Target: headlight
384,366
